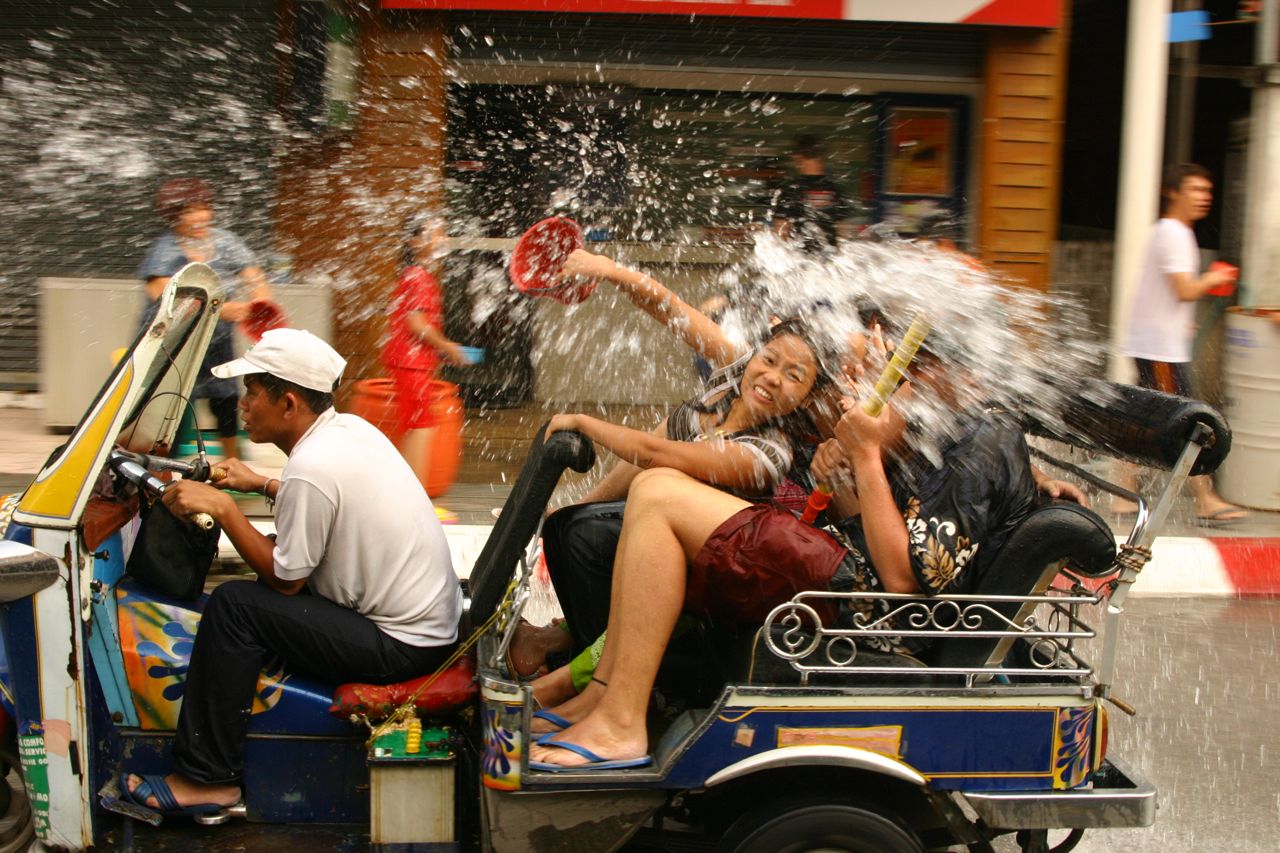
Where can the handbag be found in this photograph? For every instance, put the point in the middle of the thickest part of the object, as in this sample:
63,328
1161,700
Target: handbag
171,556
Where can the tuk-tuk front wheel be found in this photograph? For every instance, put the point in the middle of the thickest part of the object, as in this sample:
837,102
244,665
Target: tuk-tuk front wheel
809,824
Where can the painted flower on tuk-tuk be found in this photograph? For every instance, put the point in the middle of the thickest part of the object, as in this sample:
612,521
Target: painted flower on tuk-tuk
501,761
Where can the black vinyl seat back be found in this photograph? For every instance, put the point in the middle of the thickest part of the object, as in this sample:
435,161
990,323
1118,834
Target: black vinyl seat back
1138,424
522,513
1057,535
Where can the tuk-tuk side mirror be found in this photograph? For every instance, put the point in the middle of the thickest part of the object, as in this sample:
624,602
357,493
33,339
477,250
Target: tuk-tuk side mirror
24,571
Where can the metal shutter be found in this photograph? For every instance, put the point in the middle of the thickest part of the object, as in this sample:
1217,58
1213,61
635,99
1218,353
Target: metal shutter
100,104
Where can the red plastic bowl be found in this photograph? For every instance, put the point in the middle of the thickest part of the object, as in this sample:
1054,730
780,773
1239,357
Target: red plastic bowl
540,253
264,315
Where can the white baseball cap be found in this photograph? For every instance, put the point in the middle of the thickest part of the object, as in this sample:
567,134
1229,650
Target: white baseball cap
294,355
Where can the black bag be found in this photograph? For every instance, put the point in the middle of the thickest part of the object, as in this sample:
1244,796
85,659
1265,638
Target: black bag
172,556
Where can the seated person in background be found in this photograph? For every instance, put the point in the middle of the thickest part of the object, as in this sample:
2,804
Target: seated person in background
357,586
689,548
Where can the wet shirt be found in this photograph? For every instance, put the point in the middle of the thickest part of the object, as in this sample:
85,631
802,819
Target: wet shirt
768,443
417,290
958,516
814,204
231,257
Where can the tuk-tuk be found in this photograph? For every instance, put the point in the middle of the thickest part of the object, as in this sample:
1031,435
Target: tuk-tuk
794,735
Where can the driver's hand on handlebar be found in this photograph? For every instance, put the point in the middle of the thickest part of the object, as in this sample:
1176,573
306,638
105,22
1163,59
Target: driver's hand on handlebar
236,476
185,498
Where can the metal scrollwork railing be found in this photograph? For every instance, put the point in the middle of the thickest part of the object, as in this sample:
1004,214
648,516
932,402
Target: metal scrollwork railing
889,624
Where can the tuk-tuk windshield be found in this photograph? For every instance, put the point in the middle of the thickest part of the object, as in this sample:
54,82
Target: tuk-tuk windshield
158,406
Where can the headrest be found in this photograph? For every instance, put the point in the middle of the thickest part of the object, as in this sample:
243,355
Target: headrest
1145,426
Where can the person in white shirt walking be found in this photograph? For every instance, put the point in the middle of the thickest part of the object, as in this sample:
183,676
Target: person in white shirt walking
1162,318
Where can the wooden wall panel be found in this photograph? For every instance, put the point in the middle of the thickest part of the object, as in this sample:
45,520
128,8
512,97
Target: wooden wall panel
1024,82
344,200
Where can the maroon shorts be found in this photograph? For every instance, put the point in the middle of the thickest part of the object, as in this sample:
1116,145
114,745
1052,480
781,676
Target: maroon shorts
757,559
413,398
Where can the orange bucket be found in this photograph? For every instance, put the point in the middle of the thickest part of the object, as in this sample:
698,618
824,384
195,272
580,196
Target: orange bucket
375,401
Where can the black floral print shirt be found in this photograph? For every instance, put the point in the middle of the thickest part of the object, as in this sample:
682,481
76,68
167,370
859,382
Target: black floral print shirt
958,515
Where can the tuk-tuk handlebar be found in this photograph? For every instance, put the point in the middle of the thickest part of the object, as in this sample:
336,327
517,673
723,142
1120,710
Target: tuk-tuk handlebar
137,468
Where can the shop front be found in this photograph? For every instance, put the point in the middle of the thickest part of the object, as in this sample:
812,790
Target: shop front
665,129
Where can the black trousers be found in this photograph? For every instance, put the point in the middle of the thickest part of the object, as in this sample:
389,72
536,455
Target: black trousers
580,543
247,625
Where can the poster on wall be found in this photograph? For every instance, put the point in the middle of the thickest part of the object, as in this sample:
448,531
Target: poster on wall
919,159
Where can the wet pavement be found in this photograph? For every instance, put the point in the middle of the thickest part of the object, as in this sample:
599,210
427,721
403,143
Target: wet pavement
1202,678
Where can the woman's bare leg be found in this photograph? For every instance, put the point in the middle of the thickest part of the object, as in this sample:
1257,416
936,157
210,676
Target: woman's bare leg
415,447
669,518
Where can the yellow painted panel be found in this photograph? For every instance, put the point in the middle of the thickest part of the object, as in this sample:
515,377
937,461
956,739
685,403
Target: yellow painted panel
54,493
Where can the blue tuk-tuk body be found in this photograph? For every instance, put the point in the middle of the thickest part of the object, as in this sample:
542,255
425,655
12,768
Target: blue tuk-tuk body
792,732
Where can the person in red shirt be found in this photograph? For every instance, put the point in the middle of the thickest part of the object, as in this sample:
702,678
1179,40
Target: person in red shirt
417,342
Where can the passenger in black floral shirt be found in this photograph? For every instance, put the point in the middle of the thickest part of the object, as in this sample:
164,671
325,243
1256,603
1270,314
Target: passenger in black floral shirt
957,516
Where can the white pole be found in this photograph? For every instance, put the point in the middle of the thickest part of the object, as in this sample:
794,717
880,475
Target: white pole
1260,266
1141,147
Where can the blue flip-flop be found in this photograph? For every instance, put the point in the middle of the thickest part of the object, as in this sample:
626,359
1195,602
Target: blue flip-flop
553,718
153,785
595,762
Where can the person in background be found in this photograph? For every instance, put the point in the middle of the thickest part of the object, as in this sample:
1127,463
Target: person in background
809,210
417,343
1162,317
187,205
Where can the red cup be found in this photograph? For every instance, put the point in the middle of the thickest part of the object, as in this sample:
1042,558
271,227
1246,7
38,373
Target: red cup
264,315
539,256
1227,287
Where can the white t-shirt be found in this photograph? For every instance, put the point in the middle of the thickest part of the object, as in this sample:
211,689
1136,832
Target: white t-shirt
1162,327
353,519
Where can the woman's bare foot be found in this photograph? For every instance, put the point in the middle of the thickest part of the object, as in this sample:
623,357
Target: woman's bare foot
531,645
1214,510
189,792
553,688
573,710
593,733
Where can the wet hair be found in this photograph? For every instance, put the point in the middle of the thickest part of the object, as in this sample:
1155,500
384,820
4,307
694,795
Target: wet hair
1175,175
178,194
807,145
317,401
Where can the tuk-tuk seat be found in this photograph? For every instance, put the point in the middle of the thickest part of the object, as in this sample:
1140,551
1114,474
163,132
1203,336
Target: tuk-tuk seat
1057,536
453,690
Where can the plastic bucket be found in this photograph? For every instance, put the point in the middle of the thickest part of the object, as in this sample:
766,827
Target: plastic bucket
1250,475
539,255
375,401
264,315
446,447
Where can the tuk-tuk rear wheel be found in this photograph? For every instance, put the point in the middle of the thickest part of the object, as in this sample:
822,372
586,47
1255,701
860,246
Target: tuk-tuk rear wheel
816,823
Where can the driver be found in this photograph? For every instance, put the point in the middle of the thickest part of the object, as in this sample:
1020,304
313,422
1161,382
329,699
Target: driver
357,584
